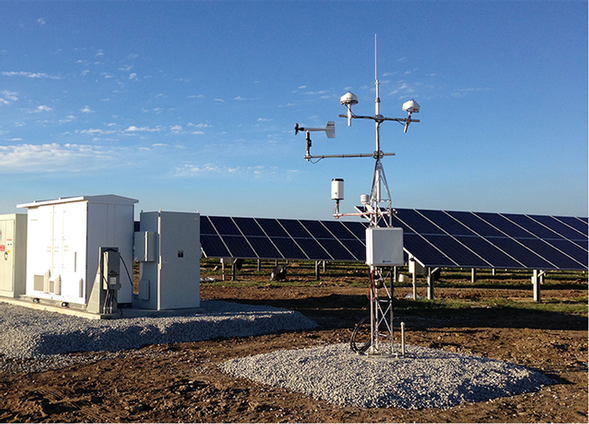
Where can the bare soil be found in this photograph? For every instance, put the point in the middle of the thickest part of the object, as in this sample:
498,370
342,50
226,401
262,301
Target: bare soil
181,382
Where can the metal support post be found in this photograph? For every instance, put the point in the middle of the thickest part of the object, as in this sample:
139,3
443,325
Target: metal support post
373,318
391,308
473,275
537,279
430,284
403,338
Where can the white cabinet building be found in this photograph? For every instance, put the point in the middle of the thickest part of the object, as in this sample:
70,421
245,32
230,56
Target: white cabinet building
13,244
63,241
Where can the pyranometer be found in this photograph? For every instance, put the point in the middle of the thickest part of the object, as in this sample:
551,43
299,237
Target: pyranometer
349,99
411,106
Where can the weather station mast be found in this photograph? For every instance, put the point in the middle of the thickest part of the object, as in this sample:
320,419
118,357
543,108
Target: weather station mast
384,243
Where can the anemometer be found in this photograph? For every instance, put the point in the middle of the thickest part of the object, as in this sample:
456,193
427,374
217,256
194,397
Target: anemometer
384,243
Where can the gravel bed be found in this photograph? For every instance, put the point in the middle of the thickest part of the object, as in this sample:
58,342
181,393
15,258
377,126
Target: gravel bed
30,333
424,378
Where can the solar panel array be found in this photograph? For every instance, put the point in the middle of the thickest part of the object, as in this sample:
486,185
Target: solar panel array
293,239
435,238
494,240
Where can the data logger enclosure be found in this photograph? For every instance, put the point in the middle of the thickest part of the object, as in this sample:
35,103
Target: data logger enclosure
384,246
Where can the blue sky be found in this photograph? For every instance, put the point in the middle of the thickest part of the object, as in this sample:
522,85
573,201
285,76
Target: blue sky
191,105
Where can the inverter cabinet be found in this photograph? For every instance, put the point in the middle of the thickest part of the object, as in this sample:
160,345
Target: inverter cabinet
13,244
167,247
63,241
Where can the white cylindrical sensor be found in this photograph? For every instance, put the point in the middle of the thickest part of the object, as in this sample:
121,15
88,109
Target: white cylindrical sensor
364,198
337,189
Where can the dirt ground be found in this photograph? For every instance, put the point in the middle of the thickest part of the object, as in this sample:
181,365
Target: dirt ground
181,382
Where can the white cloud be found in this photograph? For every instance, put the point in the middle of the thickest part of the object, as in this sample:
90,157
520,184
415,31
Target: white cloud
94,131
133,128
197,132
133,76
99,53
461,92
314,93
219,100
403,88
43,158
264,119
86,109
67,119
29,74
176,128
41,108
201,125
7,97
85,72
193,170
41,21
189,170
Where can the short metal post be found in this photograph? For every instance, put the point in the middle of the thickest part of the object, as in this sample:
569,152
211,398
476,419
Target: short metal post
392,314
373,318
403,338
259,265
473,275
430,284
536,276
317,272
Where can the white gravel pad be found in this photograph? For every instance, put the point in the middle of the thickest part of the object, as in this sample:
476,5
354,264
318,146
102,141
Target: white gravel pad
424,378
30,333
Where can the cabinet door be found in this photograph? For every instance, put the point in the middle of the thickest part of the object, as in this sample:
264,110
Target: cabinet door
73,239
6,255
39,248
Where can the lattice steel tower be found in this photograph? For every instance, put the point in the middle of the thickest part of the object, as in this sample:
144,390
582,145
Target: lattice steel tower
384,243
